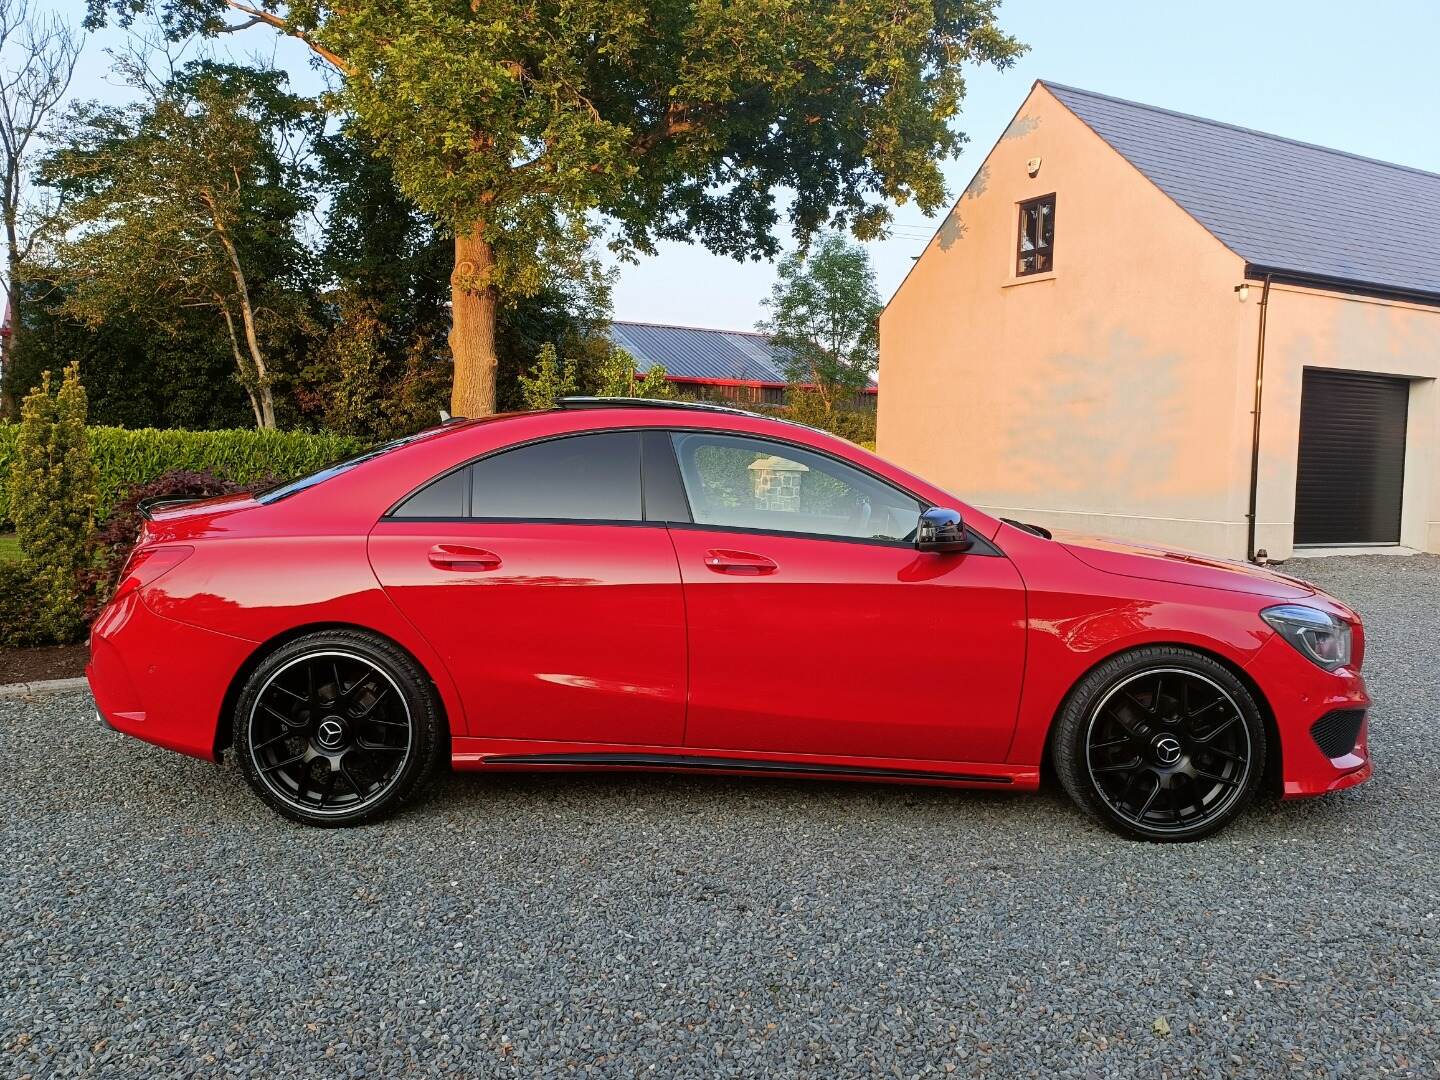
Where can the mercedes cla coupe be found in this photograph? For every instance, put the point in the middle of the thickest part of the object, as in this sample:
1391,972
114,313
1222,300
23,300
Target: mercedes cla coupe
620,584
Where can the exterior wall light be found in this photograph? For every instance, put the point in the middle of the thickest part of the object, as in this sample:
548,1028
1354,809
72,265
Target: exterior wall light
1242,291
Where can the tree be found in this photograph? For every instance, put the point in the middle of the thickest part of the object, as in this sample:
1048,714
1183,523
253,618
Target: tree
52,499
513,123
133,376
825,308
37,60
177,200
617,377
549,380
612,375
383,369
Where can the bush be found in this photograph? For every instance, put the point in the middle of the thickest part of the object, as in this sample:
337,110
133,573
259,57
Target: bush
126,457
18,626
52,500
116,537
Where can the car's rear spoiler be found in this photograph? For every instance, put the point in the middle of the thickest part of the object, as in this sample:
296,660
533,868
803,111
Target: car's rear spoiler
147,507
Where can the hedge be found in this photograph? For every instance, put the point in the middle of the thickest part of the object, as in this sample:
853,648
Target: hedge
125,457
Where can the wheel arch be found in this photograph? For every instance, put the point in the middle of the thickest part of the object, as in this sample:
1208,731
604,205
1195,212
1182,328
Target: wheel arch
1273,777
224,729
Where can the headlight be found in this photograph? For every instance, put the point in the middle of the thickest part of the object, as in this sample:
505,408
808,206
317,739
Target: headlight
1320,636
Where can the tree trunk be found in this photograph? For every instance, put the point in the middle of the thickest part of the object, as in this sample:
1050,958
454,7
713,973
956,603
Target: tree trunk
246,378
473,303
247,319
8,389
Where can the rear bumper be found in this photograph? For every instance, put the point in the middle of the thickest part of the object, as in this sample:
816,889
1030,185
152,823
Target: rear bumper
1300,694
160,680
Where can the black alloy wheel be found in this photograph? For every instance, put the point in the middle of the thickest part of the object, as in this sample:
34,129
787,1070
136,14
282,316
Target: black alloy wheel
337,728
1161,744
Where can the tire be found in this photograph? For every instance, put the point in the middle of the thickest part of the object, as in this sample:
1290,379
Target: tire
1161,743
338,728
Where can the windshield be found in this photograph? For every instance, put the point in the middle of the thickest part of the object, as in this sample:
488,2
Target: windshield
320,476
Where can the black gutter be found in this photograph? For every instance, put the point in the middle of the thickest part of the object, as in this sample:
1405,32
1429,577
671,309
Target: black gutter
1250,552
1341,285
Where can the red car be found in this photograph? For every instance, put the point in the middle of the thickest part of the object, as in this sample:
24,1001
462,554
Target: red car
620,584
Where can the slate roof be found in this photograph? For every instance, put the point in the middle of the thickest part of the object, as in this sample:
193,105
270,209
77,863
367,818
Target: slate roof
1281,205
690,353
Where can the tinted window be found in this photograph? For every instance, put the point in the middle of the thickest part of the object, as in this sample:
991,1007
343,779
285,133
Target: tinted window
753,484
442,498
320,476
584,477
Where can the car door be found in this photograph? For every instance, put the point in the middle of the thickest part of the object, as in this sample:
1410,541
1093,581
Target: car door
557,609
815,625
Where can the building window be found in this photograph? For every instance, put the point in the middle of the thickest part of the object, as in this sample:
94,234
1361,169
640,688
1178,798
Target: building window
1036,253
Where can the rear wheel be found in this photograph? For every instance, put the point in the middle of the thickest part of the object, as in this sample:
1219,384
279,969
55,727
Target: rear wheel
1161,744
337,728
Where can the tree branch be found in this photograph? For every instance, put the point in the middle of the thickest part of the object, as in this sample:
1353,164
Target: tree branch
271,19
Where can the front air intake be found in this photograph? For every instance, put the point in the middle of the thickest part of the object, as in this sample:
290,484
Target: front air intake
1336,732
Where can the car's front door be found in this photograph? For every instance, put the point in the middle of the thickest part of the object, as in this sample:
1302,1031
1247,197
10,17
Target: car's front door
557,609
815,625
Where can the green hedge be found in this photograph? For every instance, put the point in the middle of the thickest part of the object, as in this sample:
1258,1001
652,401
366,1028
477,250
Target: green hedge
125,457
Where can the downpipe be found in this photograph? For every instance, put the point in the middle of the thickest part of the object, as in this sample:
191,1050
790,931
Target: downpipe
1260,557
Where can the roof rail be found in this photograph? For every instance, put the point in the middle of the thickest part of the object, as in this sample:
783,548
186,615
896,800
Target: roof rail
649,403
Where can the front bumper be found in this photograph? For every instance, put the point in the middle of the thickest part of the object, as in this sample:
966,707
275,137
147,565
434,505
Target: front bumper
1300,694
161,680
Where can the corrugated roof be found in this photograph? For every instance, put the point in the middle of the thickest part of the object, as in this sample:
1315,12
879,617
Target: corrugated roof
687,352
1281,205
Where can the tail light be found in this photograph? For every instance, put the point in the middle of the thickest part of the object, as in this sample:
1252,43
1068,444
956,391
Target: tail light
147,565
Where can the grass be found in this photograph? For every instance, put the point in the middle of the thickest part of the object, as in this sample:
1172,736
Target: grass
9,547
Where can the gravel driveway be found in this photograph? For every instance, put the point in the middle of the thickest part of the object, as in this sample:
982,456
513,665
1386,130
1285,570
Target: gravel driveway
156,920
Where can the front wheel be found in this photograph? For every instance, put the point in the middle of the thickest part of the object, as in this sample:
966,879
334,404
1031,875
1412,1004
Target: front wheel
337,728
1161,744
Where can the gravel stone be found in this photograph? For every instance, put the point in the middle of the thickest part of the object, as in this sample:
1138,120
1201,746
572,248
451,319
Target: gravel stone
157,920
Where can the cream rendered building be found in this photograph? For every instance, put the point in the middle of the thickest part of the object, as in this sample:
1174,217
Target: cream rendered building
1080,344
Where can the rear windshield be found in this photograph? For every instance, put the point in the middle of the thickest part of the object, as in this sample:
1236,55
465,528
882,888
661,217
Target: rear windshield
275,494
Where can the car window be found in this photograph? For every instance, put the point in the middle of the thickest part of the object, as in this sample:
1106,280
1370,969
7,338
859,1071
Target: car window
737,482
442,498
283,491
579,478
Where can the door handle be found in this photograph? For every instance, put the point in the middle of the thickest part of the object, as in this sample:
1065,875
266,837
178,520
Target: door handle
725,561
459,557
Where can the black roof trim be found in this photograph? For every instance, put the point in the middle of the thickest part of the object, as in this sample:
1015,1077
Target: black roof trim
1342,285
650,403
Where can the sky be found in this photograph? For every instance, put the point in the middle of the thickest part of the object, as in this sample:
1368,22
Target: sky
1356,77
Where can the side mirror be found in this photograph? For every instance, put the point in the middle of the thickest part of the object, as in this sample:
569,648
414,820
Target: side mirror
941,529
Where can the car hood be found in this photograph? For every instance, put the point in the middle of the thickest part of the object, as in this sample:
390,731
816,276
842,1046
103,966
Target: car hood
1181,567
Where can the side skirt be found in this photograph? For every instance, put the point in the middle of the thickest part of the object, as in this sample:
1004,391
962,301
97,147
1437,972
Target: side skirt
473,757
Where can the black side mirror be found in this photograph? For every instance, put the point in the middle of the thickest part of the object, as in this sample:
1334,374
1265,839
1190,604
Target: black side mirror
941,529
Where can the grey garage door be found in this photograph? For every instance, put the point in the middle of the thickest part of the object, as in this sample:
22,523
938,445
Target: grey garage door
1352,458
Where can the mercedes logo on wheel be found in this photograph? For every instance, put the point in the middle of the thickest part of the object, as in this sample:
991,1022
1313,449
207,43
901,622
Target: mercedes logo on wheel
330,734
1167,749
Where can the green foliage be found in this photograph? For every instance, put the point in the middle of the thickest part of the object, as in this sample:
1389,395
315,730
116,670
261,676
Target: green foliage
516,124
617,377
808,407
125,457
549,380
52,484
389,269
133,376
18,591
187,199
612,375
824,312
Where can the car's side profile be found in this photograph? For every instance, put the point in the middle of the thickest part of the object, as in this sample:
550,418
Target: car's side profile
615,585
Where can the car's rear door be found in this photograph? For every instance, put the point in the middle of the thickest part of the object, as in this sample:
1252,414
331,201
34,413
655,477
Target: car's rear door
556,607
816,627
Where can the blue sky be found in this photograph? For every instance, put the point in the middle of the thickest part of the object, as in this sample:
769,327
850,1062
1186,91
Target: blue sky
1358,77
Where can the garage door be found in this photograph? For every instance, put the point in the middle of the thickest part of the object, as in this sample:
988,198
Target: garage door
1352,458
